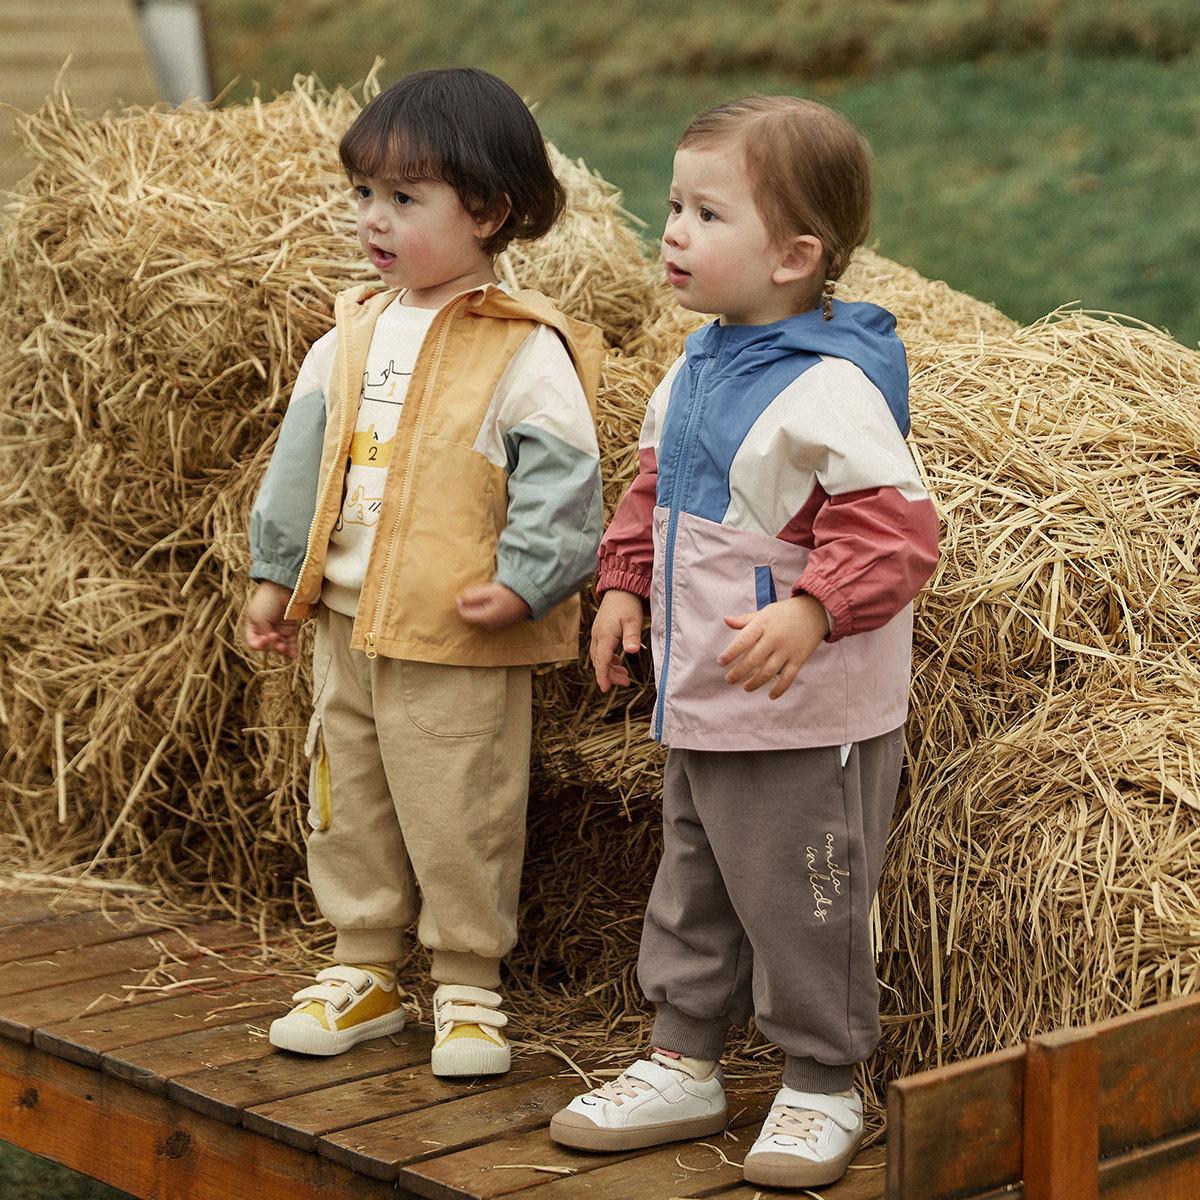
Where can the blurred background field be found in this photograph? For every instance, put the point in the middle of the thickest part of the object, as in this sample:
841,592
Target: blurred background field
1029,152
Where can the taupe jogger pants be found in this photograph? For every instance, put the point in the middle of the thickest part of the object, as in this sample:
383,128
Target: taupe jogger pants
762,902
419,782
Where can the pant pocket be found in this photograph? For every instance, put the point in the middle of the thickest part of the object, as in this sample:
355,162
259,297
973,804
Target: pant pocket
451,701
320,799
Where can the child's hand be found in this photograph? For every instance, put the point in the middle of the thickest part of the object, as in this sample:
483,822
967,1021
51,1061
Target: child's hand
618,623
775,641
493,606
265,628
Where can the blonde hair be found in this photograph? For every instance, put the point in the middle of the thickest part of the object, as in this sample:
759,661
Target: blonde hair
809,170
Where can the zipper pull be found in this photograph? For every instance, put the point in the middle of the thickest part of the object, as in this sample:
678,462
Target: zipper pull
371,646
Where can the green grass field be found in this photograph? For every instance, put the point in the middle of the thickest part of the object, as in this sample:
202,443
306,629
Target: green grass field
1031,153
26,1177
1028,182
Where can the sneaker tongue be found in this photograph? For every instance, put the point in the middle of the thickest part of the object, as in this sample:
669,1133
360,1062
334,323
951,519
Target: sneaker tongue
381,973
672,1064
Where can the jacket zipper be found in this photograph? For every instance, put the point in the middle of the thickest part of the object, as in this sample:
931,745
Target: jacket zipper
371,638
679,489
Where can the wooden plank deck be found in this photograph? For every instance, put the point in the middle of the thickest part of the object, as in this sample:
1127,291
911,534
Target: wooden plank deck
180,1094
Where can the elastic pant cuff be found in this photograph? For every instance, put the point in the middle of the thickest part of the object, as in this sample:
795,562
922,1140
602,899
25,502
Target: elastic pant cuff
471,970
693,1037
808,1075
369,945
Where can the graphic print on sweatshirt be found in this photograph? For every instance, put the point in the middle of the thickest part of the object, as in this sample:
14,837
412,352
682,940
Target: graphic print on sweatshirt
395,344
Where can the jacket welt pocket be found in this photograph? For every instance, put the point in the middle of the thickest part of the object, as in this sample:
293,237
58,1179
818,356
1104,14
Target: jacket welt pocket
764,587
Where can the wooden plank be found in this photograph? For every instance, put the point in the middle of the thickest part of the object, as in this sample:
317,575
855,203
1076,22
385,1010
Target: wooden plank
19,12
1149,1074
1165,1170
123,74
70,966
150,1148
682,1170
1061,1140
511,1164
100,87
956,1131
152,1065
685,1169
37,939
301,1120
380,1148
35,36
19,907
22,1015
226,1093
85,999
863,1181
40,52
507,1164
87,1039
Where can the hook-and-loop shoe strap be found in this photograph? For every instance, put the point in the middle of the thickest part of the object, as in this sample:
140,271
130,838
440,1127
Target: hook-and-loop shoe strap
468,1005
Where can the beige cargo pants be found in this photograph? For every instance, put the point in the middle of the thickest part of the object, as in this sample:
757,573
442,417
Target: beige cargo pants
418,786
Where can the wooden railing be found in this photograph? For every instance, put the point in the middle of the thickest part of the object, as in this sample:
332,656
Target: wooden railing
1108,1110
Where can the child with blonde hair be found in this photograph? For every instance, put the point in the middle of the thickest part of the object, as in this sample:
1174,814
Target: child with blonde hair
434,496
779,530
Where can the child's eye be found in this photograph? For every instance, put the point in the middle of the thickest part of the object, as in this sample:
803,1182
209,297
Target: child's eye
707,214
675,206
402,198
363,191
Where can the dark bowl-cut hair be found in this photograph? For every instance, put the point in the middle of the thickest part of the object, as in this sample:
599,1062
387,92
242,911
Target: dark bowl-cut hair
467,128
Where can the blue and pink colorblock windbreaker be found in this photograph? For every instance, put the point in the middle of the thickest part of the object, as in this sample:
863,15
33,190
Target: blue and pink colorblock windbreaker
772,462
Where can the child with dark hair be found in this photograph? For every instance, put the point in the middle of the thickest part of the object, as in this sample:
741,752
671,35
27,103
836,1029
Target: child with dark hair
434,496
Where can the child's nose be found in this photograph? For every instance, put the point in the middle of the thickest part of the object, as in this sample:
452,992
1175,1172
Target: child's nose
675,235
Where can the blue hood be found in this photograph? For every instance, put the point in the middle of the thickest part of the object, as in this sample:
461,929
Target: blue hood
863,333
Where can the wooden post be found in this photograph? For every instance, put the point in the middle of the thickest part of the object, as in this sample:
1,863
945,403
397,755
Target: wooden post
1061,1144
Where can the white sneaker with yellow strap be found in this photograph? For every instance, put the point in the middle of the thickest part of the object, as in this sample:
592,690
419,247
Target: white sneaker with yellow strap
468,1032
345,1006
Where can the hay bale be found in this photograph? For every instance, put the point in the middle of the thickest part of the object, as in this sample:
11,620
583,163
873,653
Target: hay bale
165,272
592,262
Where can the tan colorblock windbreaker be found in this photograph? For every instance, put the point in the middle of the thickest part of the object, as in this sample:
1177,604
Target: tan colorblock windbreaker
445,503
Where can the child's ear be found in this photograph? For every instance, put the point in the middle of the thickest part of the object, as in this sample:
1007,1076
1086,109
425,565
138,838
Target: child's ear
801,260
487,223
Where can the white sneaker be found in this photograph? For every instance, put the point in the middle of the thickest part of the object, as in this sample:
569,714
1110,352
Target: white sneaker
468,1032
345,1006
650,1103
807,1140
